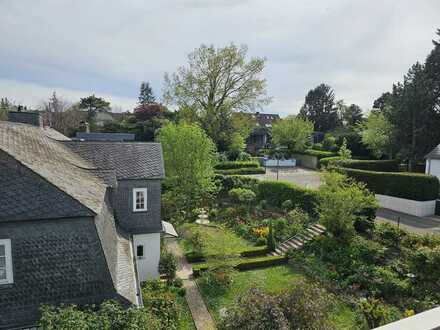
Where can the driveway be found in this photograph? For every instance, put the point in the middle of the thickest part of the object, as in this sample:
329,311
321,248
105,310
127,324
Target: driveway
298,175
417,225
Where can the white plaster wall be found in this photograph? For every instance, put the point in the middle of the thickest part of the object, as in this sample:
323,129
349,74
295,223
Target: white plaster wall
148,265
407,206
433,167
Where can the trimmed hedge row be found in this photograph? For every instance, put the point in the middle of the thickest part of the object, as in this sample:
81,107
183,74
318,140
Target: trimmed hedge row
193,256
415,186
317,153
229,182
358,164
235,165
246,264
276,192
255,251
242,171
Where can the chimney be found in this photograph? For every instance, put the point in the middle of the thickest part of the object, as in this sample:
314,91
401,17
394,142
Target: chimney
26,117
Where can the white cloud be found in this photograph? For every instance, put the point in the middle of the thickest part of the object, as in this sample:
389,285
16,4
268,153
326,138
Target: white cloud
107,46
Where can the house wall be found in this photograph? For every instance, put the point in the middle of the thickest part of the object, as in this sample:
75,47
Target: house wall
54,261
408,206
138,222
433,167
307,161
148,265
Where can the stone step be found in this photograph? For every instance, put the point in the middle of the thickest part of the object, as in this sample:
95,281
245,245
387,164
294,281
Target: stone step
313,231
317,225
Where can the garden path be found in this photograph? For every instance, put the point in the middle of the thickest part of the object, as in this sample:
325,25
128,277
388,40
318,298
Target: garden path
201,316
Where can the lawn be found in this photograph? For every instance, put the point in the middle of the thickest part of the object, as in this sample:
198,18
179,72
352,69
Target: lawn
185,319
217,241
273,280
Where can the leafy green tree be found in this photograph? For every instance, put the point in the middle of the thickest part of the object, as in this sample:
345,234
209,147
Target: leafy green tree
93,104
5,107
237,146
292,132
340,199
146,94
377,134
344,152
271,243
319,108
216,83
189,156
352,115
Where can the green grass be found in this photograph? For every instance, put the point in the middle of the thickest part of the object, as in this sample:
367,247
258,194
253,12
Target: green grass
217,241
272,280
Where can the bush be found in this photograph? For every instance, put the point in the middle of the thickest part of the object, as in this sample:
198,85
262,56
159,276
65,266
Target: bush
110,315
303,306
195,256
358,164
276,192
242,171
242,195
168,265
419,187
235,165
216,281
375,312
330,161
317,153
229,182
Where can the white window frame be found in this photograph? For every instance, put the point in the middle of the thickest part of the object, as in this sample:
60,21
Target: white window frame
9,272
144,191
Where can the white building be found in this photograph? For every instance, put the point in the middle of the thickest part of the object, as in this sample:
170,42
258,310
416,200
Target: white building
433,162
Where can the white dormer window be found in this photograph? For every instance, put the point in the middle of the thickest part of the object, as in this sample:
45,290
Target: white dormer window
139,199
6,276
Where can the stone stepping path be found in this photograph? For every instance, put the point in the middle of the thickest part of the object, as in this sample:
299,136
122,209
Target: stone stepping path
298,241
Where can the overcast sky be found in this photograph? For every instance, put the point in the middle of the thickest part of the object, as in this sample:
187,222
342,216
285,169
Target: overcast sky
107,47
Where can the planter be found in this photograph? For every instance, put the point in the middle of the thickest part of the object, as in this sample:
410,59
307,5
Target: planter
408,206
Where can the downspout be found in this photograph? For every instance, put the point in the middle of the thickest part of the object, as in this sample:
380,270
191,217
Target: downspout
138,283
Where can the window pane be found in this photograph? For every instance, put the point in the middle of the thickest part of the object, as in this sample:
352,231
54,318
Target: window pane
2,250
140,251
2,273
2,262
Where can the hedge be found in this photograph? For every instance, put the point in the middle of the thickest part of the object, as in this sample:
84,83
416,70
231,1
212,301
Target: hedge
242,171
255,251
229,182
261,262
317,153
276,192
245,264
358,164
193,256
235,165
415,186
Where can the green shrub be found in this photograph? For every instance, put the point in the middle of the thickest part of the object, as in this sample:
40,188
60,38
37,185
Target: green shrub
317,153
425,262
235,165
276,192
199,269
168,265
329,161
242,171
413,186
216,281
242,195
254,251
195,256
229,182
372,165
375,312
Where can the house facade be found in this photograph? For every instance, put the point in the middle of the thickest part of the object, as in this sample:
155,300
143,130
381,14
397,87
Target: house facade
79,221
433,162
260,136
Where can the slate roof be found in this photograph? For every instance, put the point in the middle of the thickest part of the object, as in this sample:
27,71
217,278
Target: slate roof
54,162
435,153
130,160
264,119
24,195
115,137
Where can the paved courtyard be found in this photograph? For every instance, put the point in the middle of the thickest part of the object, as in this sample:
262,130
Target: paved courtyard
298,175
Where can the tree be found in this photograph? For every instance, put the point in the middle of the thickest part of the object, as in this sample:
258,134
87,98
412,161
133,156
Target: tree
189,156
432,67
93,104
5,107
216,83
340,200
53,110
147,111
377,134
344,152
146,94
382,101
352,115
319,108
292,132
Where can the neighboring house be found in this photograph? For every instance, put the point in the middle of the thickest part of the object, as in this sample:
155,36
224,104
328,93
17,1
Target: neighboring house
115,137
433,162
79,221
260,136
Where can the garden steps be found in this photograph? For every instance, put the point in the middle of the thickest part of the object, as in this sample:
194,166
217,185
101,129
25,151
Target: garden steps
298,241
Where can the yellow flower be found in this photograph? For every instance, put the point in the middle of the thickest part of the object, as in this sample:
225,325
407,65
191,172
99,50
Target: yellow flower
409,312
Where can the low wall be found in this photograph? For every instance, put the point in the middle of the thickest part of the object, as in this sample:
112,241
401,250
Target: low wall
280,163
408,206
307,161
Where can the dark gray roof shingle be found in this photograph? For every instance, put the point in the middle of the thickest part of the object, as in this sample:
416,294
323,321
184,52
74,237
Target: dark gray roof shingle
130,160
115,137
54,162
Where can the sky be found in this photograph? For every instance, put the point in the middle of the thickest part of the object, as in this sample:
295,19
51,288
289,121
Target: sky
107,47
